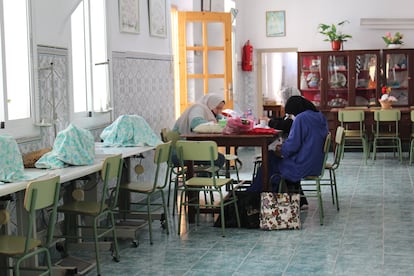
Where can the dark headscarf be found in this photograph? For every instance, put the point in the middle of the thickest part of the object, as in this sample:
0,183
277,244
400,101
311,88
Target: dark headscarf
298,104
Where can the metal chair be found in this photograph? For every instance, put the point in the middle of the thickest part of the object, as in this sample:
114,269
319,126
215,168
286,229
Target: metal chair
39,194
151,189
353,121
191,151
311,185
101,212
386,130
332,167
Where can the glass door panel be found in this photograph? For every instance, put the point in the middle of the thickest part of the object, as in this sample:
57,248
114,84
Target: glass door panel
396,77
310,78
205,60
366,80
337,82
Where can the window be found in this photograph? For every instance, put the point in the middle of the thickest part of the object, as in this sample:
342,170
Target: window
90,65
16,74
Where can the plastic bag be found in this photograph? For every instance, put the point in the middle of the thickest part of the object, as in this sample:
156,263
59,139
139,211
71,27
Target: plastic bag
237,125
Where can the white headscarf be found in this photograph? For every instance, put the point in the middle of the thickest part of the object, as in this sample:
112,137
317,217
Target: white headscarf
211,100
207,103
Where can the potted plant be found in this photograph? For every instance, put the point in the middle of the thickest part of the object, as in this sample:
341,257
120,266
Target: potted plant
334,34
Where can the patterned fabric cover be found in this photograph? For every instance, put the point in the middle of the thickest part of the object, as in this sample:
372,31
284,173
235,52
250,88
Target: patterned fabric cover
279,211
129,131
11,161
73,146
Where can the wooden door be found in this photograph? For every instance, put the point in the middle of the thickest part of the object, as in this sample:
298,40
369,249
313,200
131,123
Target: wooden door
205,56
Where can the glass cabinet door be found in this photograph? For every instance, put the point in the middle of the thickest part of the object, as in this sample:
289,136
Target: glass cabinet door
366,81
310,78
396,76
337,82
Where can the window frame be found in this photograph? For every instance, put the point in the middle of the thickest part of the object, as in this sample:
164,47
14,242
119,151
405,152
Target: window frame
92,119
21,129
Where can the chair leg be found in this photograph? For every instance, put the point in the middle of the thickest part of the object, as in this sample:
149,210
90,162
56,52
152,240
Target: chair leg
115,256
411,150
236,209
320,203
149,218
336,190
180,211
169,186
176,182
165,211
399,149
95,237
374,149
222,215
331,184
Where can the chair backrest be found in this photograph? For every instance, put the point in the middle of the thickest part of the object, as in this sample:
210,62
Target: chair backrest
356,107
339,146
197,151
326,147
412,115
352,116
111,171
191,151
162,155
41,194
168,135
387,115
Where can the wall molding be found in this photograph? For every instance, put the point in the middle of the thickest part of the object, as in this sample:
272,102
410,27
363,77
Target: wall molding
387,23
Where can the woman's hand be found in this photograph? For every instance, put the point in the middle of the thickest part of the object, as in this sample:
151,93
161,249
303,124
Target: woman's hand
278,150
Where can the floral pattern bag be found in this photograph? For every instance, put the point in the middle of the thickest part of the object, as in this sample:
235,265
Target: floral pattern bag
279,211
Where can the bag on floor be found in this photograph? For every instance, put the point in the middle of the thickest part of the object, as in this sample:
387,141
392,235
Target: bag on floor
279,211
248,204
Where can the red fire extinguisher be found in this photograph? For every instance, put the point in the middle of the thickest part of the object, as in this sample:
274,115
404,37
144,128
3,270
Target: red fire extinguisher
247,57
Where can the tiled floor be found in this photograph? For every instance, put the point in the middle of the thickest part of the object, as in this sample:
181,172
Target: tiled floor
372,234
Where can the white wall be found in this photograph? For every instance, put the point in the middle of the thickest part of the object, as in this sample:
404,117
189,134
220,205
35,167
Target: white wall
52,26
303,17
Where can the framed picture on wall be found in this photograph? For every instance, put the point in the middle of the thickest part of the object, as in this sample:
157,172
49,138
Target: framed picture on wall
129,16
157,18
275,23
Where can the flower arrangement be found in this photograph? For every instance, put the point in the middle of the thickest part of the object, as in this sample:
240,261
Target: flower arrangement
386,90
396,39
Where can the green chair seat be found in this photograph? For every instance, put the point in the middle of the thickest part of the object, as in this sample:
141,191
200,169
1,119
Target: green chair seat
82,208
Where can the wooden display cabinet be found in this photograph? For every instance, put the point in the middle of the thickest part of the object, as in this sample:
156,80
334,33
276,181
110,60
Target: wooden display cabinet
335,79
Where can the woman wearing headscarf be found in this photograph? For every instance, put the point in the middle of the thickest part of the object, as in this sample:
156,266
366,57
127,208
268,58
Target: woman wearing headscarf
208,109
301,154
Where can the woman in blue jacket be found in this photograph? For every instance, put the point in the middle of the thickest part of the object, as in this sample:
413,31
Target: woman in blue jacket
301,154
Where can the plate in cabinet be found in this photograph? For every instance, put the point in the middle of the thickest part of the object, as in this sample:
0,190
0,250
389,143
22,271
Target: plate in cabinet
338,80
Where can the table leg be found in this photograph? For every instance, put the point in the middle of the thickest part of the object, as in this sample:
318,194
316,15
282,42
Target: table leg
265,168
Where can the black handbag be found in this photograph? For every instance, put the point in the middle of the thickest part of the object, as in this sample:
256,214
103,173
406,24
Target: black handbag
248,205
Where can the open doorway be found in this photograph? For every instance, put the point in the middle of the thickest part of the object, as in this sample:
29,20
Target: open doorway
277,73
